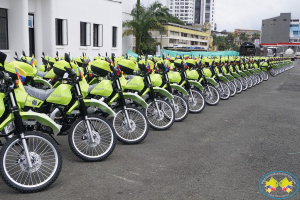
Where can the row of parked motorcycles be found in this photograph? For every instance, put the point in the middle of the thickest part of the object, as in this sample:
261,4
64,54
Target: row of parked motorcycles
96,102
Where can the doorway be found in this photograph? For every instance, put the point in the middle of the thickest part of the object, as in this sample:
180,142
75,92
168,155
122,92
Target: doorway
31,34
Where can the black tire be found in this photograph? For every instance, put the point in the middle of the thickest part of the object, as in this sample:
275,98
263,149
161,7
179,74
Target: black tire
37,154
224,90
123,132
181,107
244,83
249,82
238,85
266,76
211,95
254,80
197,104
162,119
104,138
232,88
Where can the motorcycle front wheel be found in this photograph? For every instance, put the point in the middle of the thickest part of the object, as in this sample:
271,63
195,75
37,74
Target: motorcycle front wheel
133,131
103,143
196,101
232,88
45,157
181,107
160,114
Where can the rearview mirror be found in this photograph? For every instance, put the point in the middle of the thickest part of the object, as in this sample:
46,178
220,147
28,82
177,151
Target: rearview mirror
23,52
67,58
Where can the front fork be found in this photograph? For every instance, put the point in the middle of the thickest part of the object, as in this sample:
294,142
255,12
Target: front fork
83,111
122,101
20,128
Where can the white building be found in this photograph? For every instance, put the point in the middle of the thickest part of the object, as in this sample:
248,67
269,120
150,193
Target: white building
184,10
194,11
76,26
205,13
126,10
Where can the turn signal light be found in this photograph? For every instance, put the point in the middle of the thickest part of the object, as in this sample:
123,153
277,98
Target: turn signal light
17,82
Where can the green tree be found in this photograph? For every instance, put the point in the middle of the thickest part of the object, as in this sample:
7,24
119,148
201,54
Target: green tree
231,39
255,36
244,37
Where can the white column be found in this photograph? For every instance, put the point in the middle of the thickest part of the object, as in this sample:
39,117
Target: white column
38,31
48,24
18,34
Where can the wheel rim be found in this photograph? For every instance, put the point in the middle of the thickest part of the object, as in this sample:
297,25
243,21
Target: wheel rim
197,103
44,159
232,88
161,118
102,134
238,86
211,95
137,120
226,91
180,107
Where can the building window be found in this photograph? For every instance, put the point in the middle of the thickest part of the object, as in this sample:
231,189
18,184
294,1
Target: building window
284,19
296,33
3,29
61,29
114,36
85,34
97,35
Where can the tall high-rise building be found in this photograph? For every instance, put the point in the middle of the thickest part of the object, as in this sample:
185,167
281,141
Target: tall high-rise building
194,11
183,9
205,13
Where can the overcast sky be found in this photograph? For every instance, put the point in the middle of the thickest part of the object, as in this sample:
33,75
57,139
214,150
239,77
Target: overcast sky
247,14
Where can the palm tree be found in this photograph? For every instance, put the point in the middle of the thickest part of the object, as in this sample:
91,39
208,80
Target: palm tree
244,37
145,20
255,36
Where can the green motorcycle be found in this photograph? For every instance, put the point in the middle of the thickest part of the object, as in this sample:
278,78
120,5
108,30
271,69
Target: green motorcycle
30,161
91,137
130,124
160,113
194,98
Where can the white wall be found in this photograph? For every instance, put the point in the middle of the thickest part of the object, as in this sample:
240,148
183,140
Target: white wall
107,13
126,10
103,12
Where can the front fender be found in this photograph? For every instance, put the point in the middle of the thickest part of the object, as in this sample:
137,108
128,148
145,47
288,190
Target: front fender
248,73
136,98
93,102
196,84
236,75
163,92
179,88
229,77
43,81
265,69
211,81
223,78
40,117
243,74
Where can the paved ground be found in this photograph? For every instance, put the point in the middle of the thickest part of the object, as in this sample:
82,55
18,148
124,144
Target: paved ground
221,153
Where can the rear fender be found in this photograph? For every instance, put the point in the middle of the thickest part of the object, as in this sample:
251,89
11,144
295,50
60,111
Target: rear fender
179,88
93,102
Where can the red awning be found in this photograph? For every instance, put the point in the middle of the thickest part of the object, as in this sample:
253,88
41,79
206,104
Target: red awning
281,44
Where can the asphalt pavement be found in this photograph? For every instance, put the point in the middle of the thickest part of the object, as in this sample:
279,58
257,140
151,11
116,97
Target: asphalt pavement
221,153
